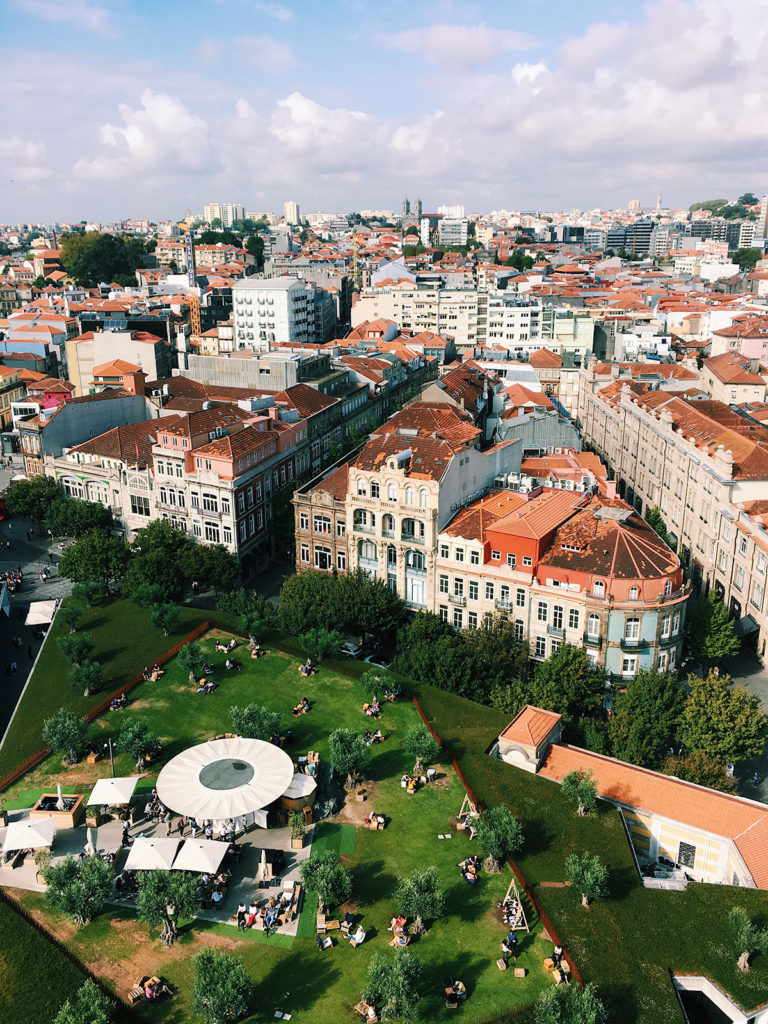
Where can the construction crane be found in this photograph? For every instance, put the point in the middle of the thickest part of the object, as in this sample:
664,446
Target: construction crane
194,299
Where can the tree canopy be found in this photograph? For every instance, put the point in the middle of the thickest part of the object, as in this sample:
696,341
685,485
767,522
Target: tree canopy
420,742
73,517
97,258
588,875
89,1005
711,629
748,938
330,881
96,557
701,769
350,601
222,991
349,754
747,258
318,643
499,834
645,718
32,497
580,789
722,720
136,739
393,983
569,1004
568,683
420,896
78,888
164,898
65,733
254,721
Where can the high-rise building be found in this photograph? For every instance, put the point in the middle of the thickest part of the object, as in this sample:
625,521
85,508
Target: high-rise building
761,228
291,212
455,211
453,231
272,311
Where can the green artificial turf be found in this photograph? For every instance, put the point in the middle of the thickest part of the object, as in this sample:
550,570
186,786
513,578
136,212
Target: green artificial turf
124,640
628,943
35,976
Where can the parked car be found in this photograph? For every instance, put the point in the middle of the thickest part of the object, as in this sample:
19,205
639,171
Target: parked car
377,659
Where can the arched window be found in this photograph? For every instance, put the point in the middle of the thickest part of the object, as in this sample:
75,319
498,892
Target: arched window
72,487
633,593
374,488
632,629
367,549
409,496
415,560
391,555
392,492
423,497
412,529
360,517
593,626
388,525
599,588
668,588
362,490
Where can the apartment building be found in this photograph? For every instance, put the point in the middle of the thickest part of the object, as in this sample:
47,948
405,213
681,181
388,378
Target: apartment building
731,378
704,464
94,348
273,311
453,230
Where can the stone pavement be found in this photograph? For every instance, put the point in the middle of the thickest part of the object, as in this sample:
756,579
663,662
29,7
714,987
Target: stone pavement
747,669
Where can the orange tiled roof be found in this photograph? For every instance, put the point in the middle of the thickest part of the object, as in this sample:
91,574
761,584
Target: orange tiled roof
531,725
744,821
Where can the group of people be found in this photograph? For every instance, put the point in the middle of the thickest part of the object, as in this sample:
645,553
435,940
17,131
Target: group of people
470,868
14,578
409,783
372,737
398,927
226,648
375,819
511,910
232,664
302,707
206,686
454,990
307,669
152,674
372,710
119,703
269,914
155,989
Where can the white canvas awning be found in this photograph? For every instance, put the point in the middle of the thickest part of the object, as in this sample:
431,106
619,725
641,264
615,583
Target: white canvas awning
152,854
113,791
41,613
29,833
200,855
225,779
301,787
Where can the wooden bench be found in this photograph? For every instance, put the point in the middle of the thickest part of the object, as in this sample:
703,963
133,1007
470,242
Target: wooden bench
332,926
136,994
93,758
293,906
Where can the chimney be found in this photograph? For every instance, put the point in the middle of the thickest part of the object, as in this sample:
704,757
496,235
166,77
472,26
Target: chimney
133,383
610,489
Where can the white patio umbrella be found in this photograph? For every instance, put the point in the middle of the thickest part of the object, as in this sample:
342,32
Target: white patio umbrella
301,787
29,833
151,854
41,613
225,779
113,791
200,855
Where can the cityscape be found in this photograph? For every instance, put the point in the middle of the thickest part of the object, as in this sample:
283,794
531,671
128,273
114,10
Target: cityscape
384,513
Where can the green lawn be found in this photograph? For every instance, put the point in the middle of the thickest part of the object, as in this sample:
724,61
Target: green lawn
35,977
323,985
628,943
125,641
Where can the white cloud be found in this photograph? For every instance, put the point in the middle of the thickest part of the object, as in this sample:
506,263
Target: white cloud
457,46
273,11
78,13
23,160
160,140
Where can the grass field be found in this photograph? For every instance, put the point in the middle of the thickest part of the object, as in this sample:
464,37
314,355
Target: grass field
125,641
35,977
323,985
628,943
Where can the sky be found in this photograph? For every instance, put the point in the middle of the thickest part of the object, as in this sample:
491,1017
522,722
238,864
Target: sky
144,108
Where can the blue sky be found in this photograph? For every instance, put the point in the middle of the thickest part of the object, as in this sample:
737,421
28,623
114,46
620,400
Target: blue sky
144,108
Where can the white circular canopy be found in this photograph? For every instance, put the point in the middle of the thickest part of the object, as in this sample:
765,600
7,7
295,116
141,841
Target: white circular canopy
225,778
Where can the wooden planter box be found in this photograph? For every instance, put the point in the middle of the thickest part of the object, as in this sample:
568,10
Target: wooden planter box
297,842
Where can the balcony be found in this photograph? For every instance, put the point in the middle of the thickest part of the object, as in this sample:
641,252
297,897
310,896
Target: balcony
557,631
457,599
410,538
503,605
593,641
358,528
628,643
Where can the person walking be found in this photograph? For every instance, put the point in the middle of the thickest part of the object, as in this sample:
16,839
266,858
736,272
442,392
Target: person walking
506,952
512,941
181,827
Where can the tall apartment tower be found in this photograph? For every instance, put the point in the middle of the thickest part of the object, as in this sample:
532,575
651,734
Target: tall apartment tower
761,228
291,212
658,203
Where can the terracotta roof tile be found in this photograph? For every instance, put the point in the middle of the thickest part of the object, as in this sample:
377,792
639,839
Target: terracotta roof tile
531,725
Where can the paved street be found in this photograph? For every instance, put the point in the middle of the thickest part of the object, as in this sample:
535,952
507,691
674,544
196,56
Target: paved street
747,670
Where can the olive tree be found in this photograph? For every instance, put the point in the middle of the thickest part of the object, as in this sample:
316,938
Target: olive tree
588,875
419,896
748,939
500,835
89,1005
253,721
393,982
420,742
78,888
329,880
579,788
350,755
222,991
135,739
65,733
164,898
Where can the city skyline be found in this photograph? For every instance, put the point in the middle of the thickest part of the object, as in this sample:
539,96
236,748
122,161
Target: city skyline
349,107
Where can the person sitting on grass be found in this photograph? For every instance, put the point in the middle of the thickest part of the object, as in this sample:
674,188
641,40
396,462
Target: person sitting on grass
156,989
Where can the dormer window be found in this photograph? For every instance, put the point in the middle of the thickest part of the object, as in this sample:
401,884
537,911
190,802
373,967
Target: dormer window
634,593
599,588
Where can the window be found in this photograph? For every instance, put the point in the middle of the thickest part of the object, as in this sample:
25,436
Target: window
633,593
423,498
443,612
392,492
512,560
573,618
225,506
743,544
458,618
210,502
241,505
197,530
593,626
488,591
321,524
323,558
443,550
665,623
504,595
303,520
360,517
443,584
557,616
474,590
341,528
520,597
527,560
458,588
632,629
139,505
459,554
676,624
599,588
367,550
757,595
472,620
629,664
663,660
374,488
540,649
391,555
474,558
410,496
722,562
726,530
212,532
668,588
686,855
496,556
556,645
341,560
738,579
519,629
541,611
761,562
226,534
362,490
